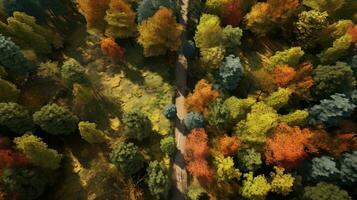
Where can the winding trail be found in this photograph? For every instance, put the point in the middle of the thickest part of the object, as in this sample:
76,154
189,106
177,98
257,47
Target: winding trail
179,169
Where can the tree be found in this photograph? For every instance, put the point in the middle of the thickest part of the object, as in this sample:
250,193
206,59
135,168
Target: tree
56,120
281,183
147,8
232,13
8,91
278,99
338,49
38,152
160,33
228,146
127,158
137,125
218,115
194,120
249,160
28,34
309,26
348,168
11,159
258,20
325,191
120,20
324,169
112,49
290,57
238,108
283,74
324,5
352,31
28,183
202,96
288,146
259,121
170,111
73,72
209,32
94,11
332,79
90,133
11,58
215,6
331,111
232,37
158,180
282,10
196,153
230,73
255,188
225,169
167,145
15,117
212,57
195,190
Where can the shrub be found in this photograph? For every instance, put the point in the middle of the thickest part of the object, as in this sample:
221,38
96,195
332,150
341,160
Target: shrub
127,158
90,133
56,120
15,117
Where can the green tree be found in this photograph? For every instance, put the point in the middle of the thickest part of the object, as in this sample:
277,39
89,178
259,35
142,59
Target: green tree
259,121
279,98
338,49
8,91
249,160
167,145
209,32
238,108
15,117
73,72
296,118
232,37
309,26
325,191
160,33
212,57
255,188
137,125
281,183
158,180
28,183
290,57
38,152
11,58
56,120
225,169
329,80
325,5
218,115
90,133
127,158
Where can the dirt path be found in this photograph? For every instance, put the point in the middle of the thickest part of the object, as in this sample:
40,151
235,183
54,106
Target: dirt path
179,168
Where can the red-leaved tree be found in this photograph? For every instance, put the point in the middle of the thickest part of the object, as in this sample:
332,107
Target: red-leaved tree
112,49
232,13
228,146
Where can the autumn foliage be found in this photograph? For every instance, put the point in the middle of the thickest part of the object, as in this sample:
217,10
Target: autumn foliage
196,153
232,13
289,146
10,158
203,95
282,9
228,146
283,74
112,49
352,30
94,11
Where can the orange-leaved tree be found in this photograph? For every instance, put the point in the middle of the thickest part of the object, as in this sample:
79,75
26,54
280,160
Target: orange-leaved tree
94,12
228,146
283,74
112,49
288,146
352,30
281,10
196,154
202,96
160,34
